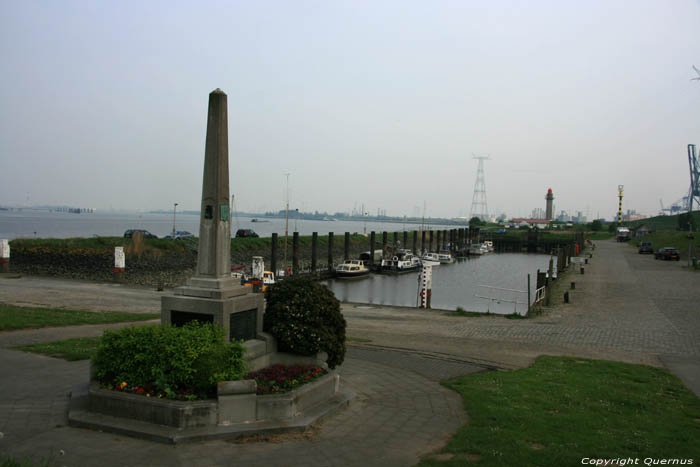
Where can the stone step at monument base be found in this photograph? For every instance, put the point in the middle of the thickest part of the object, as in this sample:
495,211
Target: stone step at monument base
80,417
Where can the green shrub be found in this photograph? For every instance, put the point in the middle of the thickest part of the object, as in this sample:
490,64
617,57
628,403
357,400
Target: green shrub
305,318
193,357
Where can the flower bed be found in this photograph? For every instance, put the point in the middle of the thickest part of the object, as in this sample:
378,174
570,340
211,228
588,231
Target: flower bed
151,391
279,379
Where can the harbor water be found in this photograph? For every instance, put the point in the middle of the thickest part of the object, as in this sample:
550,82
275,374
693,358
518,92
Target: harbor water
461,284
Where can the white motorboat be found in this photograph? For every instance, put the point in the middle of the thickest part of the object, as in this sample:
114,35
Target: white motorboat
445,258
401,261
489,245
432,259
351,269
478,249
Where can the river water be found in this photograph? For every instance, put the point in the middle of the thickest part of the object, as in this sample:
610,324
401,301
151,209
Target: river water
460,284
46,224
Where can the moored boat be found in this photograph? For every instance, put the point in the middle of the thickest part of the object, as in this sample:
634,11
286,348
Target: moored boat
478,249
445,258
351,269
401,261
432,259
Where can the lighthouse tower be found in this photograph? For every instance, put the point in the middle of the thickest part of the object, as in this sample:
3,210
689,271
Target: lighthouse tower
550,198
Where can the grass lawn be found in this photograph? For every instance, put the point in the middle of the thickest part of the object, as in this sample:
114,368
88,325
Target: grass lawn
562,410
81,348
17,317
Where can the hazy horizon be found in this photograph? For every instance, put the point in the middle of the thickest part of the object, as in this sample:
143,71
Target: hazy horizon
376,103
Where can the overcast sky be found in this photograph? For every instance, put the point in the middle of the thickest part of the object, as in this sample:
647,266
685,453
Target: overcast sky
103,104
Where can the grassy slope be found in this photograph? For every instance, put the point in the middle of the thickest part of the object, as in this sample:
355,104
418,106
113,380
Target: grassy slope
670,238
561,410
15,317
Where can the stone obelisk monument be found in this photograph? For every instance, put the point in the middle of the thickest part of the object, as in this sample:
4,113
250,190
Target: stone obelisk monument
212,295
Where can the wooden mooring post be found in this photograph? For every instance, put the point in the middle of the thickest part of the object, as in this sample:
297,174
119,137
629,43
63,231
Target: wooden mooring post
550,279
295,253
371,249
314,253
273,254
346,254
330,252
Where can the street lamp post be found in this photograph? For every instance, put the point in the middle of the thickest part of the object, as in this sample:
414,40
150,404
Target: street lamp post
174,211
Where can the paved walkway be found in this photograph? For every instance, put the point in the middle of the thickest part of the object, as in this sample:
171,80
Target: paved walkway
625,307
398,416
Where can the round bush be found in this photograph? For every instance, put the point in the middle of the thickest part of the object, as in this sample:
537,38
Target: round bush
305,318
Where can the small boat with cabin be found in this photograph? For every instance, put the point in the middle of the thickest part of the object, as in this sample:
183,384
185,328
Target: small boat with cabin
432,259
477,249
351,269
400,261
445,258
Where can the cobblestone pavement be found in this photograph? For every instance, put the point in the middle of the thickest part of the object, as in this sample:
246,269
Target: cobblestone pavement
625,307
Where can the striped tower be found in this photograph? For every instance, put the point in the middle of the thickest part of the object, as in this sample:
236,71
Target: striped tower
620,189
426,285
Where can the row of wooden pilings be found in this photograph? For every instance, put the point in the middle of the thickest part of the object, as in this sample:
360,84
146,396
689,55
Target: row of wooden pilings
562,252
456,241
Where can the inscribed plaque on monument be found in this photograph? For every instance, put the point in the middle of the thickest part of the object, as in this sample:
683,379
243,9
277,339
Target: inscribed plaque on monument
224,212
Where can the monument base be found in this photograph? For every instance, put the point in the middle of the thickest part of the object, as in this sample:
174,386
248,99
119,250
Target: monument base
224,302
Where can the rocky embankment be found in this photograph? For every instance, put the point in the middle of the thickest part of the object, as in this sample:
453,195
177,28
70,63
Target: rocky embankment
155,268
159,262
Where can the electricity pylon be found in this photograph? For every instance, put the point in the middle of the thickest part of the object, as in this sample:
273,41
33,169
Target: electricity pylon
479,208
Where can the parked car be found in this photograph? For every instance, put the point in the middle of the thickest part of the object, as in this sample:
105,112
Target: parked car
646,247
245,233
667,253
179,235
133,232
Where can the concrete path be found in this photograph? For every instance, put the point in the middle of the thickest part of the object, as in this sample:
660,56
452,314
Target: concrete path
625,307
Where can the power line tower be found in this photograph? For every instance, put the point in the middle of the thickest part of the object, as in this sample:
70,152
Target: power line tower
693,194
479,208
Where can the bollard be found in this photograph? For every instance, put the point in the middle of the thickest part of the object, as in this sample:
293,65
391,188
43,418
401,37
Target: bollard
582,270
573,285
4,256
119,263
585,260
566,297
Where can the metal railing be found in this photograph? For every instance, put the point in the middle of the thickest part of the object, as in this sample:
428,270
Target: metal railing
540,294
500,299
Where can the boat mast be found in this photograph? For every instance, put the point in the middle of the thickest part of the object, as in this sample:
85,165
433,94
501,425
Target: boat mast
286,226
